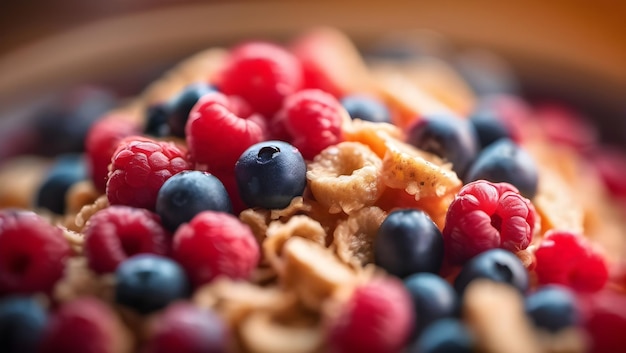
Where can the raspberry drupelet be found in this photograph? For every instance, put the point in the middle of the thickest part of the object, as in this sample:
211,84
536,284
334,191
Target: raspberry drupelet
484,216
139,168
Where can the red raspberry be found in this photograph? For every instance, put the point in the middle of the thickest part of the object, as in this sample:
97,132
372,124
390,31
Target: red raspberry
565,126
184,328
214,244
216,136
261,73
604,318
85,325
378,318
569,259
230,184
484,216
115,233
314,119
610,164
32,253
139,168
100,144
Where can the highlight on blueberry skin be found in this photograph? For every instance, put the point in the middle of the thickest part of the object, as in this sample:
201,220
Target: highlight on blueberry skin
148,282
408,242
366,108
22,324
505,161
497,265
270,174
447,335
553,308
188,193
433,299
448,137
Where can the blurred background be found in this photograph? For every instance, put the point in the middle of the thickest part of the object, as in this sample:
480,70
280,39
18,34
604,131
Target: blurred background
573,51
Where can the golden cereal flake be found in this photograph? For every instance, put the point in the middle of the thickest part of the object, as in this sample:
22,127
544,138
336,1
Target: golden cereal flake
75,239
89,210
261,332
278,233
20,179
79,280
257,220
346,177
419,173
495,313
80,194
313,272
353,239
374,135
296,206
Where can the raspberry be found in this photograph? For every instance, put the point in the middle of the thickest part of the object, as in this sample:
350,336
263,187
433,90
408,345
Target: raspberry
484,216
217,136
313,118
378,318
139,168
610,164
185,328
261,73
100,144
215,244
604,319
32,253
565,126
118,232
85,325
569,259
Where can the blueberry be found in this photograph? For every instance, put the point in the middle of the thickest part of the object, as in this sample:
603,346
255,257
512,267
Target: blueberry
270,174
156,121
178,107
448,137
497,265
148,282
445,336
188,193
22,322
505,161
62,125
407,242
366,108
433,299
67,170
553,308
489,126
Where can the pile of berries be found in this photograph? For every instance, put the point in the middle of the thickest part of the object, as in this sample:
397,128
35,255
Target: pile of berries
245,141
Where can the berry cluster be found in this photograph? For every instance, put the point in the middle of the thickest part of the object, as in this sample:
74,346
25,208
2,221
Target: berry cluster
246,140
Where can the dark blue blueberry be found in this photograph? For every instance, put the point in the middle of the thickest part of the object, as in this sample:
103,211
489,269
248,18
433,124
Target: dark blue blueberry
148,282
497,265
188,193
67,170
433,299
408,242
62,126
489,126
22,322
448,137
270,174
366,108
445,336
553,308
156,121
505,161
179,107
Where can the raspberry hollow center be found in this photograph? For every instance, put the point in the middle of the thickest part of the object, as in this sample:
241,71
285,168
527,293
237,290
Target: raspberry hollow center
496,222
19,264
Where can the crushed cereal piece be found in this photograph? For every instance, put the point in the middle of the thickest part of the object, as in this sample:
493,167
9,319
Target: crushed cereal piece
495,313
89,210
419,173
353,239
313,271
261,333
346,177
79,281
570,340
80,194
